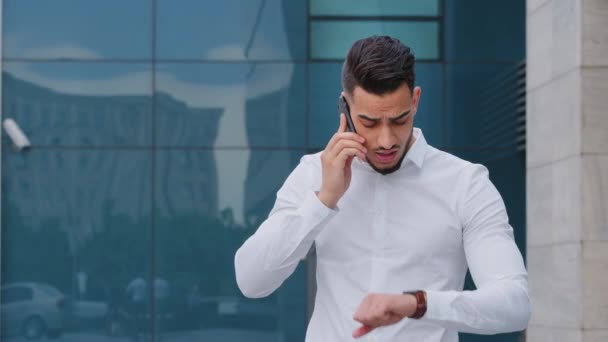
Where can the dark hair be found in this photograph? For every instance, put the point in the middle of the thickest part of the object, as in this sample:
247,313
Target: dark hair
379,65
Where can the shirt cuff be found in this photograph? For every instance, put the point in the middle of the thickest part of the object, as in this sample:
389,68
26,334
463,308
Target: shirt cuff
315,209
439,305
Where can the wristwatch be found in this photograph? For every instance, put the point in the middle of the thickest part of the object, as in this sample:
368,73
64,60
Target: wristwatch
420,303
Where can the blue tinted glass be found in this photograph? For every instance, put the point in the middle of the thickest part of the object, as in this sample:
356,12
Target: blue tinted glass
231,105
325,87
78,221
324,90
208,204
472,109
332,39
374,7
77,29
430,115
485,30
232,29
79,103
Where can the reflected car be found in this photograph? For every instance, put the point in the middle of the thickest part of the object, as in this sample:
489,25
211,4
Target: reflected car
33,310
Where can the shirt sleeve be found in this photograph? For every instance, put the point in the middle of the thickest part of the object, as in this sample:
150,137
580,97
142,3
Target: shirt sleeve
500,303
272,253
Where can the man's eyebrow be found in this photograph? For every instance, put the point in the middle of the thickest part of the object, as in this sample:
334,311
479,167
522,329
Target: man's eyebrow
365,117
406,113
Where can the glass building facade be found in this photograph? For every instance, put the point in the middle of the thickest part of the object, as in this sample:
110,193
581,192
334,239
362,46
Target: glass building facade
161,131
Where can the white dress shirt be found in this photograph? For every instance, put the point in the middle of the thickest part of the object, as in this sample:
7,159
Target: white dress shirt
418,228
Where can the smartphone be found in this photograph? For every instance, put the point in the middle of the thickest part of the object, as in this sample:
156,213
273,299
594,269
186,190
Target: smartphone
344,108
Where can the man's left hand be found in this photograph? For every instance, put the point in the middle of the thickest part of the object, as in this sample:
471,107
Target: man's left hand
379,309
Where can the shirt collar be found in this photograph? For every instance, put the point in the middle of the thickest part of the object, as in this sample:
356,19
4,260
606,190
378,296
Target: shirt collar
418,150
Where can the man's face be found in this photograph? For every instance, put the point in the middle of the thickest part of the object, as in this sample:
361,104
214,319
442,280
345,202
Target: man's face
385,121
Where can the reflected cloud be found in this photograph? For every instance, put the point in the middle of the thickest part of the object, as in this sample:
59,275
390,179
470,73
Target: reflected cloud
56,50
232,52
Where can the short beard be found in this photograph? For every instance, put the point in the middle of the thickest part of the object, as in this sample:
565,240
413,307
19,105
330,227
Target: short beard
397,166
391,169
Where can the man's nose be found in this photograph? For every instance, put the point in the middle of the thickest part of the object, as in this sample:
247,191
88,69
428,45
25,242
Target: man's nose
386,139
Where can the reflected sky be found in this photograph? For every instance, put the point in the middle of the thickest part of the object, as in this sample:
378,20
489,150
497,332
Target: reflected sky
93,29
244,29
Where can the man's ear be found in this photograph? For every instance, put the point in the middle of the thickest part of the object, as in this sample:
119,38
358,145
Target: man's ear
416,97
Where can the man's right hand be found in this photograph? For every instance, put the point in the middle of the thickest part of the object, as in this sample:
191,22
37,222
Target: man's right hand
336,161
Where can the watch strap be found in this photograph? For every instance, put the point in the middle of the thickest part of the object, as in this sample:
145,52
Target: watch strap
420,303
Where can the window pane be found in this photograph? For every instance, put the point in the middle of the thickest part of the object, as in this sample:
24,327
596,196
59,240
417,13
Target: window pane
374,7
471,113
230,104
79,103
71,215
232,29
332,39
77,29
485,30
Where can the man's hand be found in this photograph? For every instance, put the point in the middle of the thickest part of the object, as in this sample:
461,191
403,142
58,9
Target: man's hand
380,309
336,162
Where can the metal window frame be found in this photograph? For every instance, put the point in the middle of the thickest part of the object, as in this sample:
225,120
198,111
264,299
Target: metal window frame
1,119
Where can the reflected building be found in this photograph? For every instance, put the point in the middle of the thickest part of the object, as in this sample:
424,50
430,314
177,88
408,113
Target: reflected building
80,187
188,182
268,119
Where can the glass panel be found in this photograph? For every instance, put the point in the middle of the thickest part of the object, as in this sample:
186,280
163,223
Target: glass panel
235,105
332,39
78,222
325,88
375,7
465,103
430,116
485,30
244,29
77,29
80,104
208,203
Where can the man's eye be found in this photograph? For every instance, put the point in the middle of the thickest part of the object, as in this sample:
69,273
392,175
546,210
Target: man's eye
368,124
400,122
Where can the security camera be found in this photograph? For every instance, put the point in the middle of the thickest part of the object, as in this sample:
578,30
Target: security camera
16,134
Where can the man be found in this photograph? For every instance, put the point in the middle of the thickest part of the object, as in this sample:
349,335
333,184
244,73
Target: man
396,223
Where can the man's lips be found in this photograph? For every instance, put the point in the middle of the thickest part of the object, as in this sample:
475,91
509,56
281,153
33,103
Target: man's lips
385,156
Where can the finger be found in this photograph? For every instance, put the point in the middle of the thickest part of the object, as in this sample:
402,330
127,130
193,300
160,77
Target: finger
348,152
344,143
339,136
332,153
362,330
342,127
